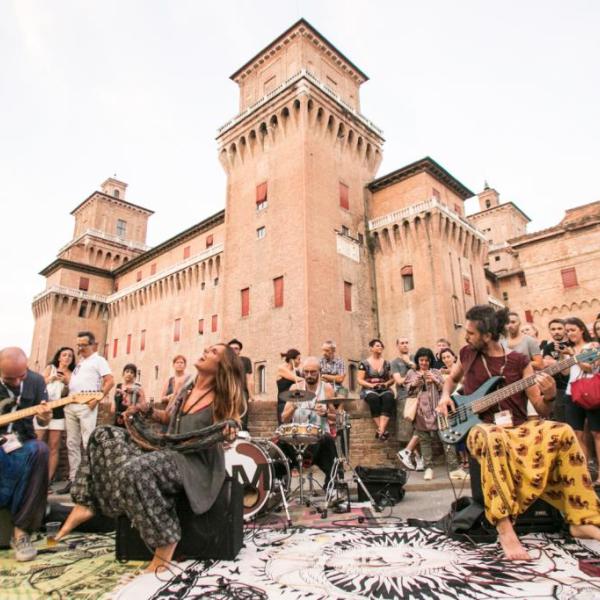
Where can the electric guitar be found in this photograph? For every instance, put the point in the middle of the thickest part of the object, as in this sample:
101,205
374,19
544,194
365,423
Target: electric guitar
16,415
455,427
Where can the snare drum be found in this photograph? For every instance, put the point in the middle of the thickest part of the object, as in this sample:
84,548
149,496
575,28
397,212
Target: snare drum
299,434
258,464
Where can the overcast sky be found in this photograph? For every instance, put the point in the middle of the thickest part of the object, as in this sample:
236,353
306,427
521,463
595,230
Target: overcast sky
507,91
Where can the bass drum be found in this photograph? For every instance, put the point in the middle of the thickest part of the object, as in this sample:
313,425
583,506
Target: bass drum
258,465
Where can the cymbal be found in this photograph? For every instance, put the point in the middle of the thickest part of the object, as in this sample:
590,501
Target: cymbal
297,396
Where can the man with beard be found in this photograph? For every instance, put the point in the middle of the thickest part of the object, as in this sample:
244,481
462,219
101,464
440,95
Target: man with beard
551,353
521,460
316,412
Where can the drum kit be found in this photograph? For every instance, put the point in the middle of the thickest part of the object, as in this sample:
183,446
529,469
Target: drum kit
263,469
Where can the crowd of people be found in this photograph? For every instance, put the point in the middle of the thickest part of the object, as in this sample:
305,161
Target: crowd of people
115,476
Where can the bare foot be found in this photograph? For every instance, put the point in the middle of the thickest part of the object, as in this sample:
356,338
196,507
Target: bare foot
80,514
511,546
162,559
586,532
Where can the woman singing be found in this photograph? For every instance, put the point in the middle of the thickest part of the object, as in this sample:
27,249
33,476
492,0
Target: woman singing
119,478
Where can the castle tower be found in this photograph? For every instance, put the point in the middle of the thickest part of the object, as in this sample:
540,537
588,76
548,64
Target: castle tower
109,231
297,158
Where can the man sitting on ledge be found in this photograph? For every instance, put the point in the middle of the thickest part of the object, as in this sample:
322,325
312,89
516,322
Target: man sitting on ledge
520,460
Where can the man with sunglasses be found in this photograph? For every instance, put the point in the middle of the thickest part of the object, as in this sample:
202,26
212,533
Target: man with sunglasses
92,374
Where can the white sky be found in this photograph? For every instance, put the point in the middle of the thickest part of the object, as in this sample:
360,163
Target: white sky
507,91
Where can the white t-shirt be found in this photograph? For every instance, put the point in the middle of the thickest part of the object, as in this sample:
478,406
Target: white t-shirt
88,374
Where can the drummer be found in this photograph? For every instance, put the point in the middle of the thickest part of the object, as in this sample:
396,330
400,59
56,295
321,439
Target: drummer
322,414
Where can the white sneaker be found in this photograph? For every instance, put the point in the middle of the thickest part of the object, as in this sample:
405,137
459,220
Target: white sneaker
428,475
459,475
23,548
420,463
405,457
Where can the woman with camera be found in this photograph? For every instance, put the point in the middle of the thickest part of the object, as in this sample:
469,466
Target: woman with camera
375,378
426,384
576,415
57,376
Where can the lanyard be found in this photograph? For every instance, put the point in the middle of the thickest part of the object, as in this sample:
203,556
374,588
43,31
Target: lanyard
16,406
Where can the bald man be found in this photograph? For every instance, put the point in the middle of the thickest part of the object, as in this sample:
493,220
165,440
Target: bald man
23,459
323,453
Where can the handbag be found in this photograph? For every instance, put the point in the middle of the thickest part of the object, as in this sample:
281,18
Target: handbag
585,392
410,407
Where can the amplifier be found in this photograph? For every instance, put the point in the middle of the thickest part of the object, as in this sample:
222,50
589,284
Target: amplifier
385,484
216,534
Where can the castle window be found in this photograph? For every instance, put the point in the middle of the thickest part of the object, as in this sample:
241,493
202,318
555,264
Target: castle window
344,199
209,241
83,309
261,196
361,239
245,294
142,340
261,379
177,330
569,277
347,296
408,283
153,269
457,209
522,279
529,316
200,326
115,347
128,343
352,380
214,323
105,351
467,286
488,203
505,296
278,292
155,371
186,252
121,227
435,194
345,231
496,258
261,232
138,276
84,284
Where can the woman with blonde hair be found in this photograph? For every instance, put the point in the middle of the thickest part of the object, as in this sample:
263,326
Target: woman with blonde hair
119,478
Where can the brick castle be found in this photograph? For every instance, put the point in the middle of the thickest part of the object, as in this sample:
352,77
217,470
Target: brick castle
311,243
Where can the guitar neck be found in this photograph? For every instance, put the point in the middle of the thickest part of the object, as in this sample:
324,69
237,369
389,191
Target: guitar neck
32,410
496,397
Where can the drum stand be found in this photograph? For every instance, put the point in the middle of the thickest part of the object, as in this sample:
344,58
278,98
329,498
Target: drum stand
300,449
284,501
340,463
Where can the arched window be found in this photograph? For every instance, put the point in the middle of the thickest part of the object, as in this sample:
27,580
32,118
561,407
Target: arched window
352,377
116,193
261,379
408,283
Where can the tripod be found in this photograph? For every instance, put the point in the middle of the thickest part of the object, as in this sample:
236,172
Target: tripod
342,461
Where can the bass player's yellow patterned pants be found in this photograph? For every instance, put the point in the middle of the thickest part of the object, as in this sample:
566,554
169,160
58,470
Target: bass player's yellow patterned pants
539,459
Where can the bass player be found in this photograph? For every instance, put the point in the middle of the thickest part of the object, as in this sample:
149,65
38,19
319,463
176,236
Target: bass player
520,460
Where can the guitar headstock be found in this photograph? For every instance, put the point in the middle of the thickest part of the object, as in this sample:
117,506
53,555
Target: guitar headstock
589,355
85,397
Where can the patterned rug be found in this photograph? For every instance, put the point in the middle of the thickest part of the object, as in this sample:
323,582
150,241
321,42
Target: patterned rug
377,563
307,516
88,571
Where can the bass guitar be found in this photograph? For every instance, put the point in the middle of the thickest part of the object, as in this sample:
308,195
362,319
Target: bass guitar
455,427
16,415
